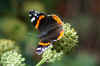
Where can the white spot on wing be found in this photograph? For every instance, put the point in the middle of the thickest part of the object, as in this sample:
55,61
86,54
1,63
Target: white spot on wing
33,19
43,49
38,49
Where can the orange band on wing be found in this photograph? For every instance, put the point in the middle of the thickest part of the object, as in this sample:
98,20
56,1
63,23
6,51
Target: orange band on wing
44,44
38,22
61,34
57,19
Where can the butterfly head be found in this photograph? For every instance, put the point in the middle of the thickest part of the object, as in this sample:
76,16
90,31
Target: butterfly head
33,15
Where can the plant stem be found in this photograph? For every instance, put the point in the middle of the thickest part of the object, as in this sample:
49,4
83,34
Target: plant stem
42,61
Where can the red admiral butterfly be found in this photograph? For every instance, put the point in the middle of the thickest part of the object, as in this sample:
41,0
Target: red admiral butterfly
50,28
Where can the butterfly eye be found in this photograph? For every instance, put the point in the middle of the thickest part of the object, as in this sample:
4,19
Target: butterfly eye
33,19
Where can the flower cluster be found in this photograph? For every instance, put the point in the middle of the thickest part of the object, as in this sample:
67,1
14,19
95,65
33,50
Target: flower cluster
12,58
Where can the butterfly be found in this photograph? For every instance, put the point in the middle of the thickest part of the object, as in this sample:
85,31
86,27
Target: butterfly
50,27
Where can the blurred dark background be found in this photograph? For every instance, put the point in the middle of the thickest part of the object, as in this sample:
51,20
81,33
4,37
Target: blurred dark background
83,15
